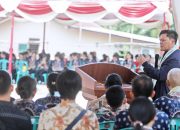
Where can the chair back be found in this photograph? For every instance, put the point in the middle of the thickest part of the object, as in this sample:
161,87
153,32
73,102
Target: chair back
175,124
22,65
3,64
106,125
35,122
22,69
99,114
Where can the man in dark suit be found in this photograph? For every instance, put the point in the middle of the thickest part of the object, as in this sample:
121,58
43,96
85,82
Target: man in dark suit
170,59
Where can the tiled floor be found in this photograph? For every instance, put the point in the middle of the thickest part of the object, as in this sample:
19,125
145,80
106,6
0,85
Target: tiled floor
42,91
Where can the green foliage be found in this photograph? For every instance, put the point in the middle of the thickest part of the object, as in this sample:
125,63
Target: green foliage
126,27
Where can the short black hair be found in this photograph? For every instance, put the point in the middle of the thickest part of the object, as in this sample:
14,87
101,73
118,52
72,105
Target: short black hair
51,82
5,82
142,85
25,87
170,33
113,79
115,96
68,84
141,110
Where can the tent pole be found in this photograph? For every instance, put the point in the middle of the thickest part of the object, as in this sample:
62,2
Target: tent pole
110,36
176,9
80,32
132,32
44,37
11,45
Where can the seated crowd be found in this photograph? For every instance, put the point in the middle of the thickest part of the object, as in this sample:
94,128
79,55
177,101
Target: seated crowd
59,111
38,66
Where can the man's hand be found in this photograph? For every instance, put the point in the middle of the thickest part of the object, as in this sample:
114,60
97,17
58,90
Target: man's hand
141,59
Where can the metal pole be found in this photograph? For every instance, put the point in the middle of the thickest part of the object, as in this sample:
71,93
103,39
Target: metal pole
44,37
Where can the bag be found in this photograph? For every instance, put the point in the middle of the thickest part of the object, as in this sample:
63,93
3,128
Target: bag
81,114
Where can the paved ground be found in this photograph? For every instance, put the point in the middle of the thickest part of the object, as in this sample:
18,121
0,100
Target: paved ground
42,91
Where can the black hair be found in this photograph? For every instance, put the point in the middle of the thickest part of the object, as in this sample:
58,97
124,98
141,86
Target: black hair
170,33
25,87
113,79
68,84
85,53
142,85
141,112
5,82
136,56
130,54
51,82
58,54
116,55
115,96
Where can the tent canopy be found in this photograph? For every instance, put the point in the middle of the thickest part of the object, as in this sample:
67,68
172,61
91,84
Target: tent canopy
64,11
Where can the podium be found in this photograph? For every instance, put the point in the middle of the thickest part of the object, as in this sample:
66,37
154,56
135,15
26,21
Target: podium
94,76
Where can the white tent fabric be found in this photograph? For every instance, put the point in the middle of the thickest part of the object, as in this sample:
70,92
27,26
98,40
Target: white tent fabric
86,18
37,18
136,12
136,20
112,7
9,5
59,6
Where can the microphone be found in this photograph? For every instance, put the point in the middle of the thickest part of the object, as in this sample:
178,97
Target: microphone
156,60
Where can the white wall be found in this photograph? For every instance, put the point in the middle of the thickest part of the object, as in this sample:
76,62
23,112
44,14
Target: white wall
58,38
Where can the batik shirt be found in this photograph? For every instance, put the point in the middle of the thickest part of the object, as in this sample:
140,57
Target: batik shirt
105,114
47,101
60,116
30,105
96,104
170,103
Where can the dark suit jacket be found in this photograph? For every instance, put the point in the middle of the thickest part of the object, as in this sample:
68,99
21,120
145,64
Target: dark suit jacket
173,61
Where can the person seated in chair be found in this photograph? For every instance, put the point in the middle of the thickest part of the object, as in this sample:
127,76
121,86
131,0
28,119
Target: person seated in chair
11,118
58,64
54,97
42,67
26,89
95,105
142,85
115,97
171,103
61,116
142,113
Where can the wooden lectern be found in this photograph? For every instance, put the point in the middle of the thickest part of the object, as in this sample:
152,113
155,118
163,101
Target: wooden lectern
94,75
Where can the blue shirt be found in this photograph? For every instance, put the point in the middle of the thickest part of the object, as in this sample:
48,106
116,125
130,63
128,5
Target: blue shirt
168,104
